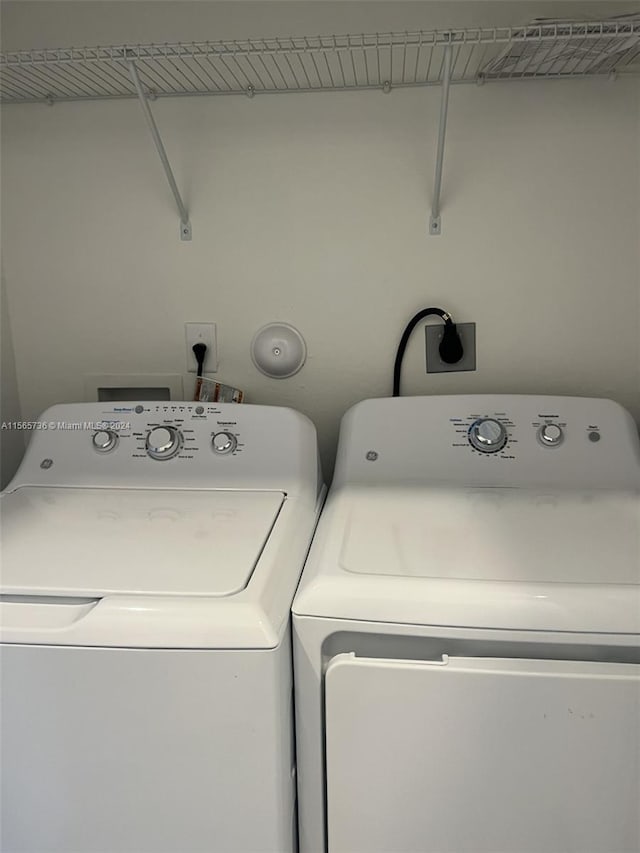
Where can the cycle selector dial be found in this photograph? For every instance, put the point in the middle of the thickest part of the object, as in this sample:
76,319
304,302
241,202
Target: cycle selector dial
487,435
224,442
163,442
104,440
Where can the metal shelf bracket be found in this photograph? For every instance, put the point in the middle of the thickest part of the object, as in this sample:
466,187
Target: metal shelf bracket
185,225
435,227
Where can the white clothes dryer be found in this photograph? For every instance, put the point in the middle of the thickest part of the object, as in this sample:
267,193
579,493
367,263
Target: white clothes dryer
467,631
150,554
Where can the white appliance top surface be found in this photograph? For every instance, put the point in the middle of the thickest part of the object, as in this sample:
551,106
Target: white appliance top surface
499,534
508,559
96,542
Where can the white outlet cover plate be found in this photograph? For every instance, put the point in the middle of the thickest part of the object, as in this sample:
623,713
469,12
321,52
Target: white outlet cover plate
201,333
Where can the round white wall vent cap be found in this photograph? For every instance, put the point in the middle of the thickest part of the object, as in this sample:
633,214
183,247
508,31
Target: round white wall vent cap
278,350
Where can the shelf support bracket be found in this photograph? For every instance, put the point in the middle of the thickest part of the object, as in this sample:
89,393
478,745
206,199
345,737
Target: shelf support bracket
185,225
434,221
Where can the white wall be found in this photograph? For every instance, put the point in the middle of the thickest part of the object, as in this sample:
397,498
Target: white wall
313,209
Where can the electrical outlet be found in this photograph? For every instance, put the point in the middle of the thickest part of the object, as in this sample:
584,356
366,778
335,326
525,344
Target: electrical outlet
201,333
433,336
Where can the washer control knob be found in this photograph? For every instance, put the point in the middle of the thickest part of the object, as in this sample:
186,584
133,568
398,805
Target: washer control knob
487,435
104,440
163,442
224,442
550,435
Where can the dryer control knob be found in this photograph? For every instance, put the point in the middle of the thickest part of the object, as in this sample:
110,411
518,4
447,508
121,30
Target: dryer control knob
488,435
224,442
163,442
104,440
550,435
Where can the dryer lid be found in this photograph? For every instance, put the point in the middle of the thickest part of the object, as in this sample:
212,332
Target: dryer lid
97,542
495,558
495,534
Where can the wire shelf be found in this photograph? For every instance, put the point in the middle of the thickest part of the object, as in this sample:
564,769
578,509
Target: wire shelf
323,63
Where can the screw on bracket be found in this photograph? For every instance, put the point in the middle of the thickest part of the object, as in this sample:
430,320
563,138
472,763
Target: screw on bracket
434,225
386,87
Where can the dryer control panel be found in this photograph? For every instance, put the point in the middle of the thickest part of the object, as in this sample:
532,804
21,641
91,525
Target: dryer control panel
490,440
497,432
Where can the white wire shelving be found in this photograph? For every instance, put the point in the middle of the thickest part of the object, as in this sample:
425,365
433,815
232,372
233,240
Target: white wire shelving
541,50
322,63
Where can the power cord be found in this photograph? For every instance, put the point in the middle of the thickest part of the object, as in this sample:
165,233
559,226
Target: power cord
450,348
200,351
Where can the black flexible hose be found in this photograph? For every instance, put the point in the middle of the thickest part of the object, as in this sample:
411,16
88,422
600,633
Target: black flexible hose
426,312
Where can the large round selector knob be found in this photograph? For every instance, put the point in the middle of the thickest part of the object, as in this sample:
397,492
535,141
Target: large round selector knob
550,435
104,440
224,442
488,435
163,442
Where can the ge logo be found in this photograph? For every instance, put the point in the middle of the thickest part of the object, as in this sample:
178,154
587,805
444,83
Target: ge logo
371,456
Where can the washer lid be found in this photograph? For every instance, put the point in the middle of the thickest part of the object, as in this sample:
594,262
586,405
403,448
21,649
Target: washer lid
494,558
96,542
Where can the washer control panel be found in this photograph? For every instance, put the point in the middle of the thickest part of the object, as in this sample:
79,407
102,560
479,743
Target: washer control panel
164,432
172,445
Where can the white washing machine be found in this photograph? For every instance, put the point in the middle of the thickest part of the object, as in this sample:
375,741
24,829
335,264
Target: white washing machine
150,554
467,632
